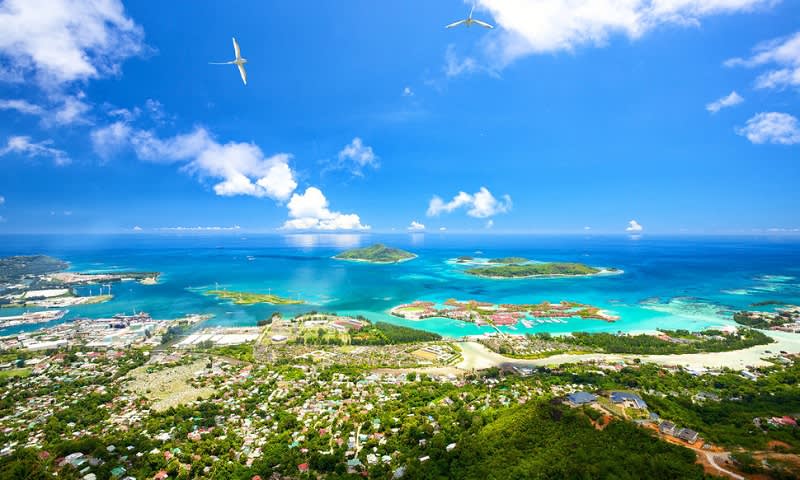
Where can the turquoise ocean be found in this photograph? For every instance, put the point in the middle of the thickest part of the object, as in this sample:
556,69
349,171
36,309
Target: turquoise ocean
668,282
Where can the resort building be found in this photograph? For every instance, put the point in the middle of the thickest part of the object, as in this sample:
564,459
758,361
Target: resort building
580,398
629,400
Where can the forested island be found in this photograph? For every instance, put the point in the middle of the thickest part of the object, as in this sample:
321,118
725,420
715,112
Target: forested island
526,270
249,298
509,260
15,269
378,253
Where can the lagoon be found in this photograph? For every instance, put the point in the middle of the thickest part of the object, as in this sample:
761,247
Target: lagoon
668,282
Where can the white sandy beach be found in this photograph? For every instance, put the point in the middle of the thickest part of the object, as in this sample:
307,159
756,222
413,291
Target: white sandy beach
476,356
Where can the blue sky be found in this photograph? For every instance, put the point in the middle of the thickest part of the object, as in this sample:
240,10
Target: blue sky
372,115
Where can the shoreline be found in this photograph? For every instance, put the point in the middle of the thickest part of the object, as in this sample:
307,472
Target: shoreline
478,357
361,260
601,273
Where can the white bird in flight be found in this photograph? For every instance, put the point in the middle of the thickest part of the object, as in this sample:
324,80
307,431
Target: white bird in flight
239,61
469,21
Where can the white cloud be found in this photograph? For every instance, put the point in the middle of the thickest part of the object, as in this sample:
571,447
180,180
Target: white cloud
489,223
155,109
60,41
71,111
442,229
137,228
2,200
727,101
772,127
455,66
124,114
416,226
407,92
587,228
481,204
108,140
355,156
199,229
22,106
545,26
241,168
634,227
22,145
309,211
63,110
783,53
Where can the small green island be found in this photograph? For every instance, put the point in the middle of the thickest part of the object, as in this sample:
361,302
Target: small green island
527,270
249,298
378,253
508,260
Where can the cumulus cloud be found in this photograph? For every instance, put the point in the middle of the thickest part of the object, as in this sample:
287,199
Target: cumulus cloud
61,41
310,211
545,26
356,156
489,223
416,226
239,168
730,100
137,228
783,54
771,127
634,227
481,204
407,92
22,145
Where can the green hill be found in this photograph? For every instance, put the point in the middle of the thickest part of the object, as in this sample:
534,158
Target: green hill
13,269
548,441
377,253
533,270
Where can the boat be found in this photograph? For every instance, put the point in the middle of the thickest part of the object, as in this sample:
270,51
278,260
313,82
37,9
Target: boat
526,323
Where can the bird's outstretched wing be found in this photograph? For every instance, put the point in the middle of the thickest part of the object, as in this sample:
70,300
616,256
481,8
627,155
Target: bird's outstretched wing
455,24
243,73
482,23
236,48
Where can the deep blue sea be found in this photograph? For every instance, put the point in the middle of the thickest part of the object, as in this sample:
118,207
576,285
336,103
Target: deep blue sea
668,282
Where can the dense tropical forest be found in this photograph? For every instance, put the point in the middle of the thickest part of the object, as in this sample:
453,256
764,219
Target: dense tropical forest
533,270
671,342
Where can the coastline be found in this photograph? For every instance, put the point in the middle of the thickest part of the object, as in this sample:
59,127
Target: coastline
361,260
476,356
601,273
